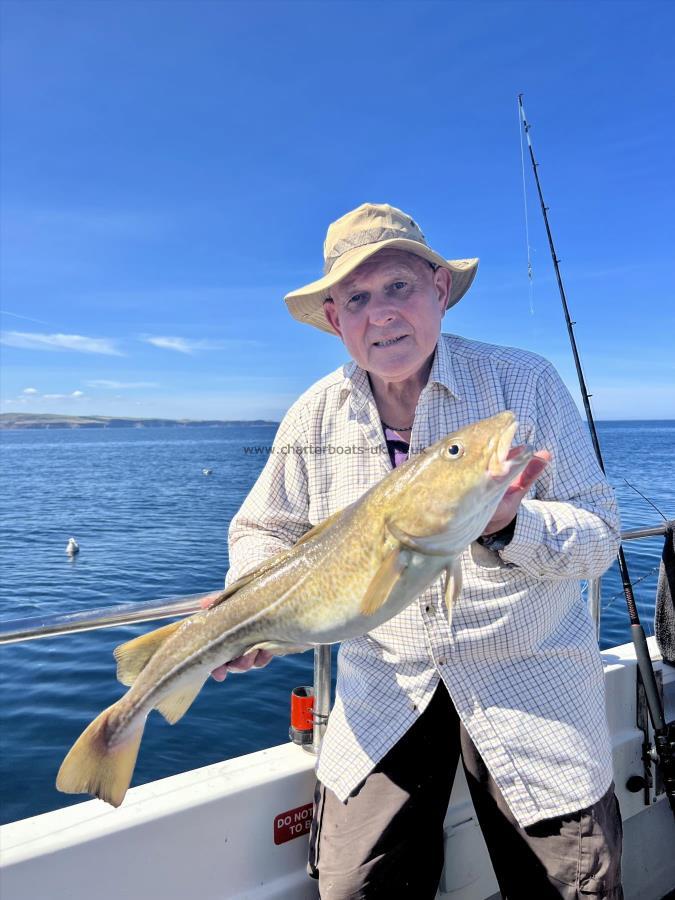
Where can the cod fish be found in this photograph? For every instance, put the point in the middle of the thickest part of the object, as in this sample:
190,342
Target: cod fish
349,574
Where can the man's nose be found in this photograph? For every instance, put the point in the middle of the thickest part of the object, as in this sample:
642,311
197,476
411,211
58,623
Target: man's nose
382,310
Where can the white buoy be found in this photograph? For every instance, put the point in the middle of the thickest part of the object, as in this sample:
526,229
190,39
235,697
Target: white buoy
72,547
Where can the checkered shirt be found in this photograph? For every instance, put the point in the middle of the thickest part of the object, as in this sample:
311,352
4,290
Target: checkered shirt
520,660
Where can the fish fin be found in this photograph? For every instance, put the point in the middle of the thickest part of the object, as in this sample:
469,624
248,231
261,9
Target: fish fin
279,648
453,587
241,582
430,545
94,767
390,570
275,559
318,529
133,656
174,706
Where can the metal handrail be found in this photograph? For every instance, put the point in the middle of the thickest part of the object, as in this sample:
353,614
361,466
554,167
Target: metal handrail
595,584
595,603
108,617
321,705
28,629
637,533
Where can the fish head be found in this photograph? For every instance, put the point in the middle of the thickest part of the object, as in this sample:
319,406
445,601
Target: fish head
459,481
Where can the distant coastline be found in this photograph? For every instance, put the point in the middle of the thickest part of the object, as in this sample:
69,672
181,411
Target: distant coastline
21,421
45,420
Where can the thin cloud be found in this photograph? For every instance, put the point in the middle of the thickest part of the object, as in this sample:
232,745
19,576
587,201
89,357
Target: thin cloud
186,345
76,342
181,345
120,385
6,312
29,391
75,395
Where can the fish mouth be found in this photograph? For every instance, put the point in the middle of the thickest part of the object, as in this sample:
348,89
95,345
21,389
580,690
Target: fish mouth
506,462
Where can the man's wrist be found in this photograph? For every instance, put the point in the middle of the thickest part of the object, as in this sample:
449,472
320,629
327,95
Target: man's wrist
499,539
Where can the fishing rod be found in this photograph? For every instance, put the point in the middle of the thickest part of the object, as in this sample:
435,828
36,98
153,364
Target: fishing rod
664,733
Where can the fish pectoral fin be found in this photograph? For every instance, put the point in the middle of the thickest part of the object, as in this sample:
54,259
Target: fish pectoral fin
430,545
93,766
134,656
174,706
379,589
279,648
453,586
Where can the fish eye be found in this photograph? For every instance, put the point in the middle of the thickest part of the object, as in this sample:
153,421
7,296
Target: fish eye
454,451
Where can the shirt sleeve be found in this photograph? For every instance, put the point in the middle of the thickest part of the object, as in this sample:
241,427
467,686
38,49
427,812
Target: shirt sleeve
569,527
275,513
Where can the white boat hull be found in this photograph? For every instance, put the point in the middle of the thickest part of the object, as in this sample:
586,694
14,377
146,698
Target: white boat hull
210,833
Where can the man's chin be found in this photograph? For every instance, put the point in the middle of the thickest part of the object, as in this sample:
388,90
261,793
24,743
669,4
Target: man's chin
393,363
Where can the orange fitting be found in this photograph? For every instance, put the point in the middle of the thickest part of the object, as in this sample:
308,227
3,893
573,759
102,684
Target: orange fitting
302,704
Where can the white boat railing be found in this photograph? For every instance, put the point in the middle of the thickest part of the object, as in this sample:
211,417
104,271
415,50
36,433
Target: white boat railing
37,627
19,630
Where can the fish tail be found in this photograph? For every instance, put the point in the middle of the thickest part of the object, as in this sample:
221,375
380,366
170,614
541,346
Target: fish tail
95,765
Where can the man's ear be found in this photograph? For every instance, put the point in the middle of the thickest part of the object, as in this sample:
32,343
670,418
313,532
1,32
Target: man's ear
332,316
443,283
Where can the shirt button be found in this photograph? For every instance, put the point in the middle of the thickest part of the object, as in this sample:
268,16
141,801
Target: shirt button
441,661
428,608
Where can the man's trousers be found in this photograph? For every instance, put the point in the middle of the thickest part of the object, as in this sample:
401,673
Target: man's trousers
387,839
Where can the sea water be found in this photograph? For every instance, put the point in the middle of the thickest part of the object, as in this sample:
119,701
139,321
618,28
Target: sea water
150,524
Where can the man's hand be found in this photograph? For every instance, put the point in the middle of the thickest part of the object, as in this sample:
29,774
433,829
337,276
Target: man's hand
508,506
255,660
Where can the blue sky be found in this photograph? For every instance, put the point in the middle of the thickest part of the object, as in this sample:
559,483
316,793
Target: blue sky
169,170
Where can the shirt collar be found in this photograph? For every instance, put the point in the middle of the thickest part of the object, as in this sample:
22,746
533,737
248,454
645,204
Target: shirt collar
441,369
357,384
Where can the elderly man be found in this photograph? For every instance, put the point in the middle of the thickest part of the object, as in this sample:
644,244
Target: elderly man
514,686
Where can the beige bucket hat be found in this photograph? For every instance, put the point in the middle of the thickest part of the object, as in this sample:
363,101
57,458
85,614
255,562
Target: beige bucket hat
358,235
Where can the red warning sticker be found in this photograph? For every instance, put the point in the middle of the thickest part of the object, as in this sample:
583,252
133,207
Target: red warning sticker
292,824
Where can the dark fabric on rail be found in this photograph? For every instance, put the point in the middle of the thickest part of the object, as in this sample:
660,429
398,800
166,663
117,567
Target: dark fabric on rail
386,841
664,618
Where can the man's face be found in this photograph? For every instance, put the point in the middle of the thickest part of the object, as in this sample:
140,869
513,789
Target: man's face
388,313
